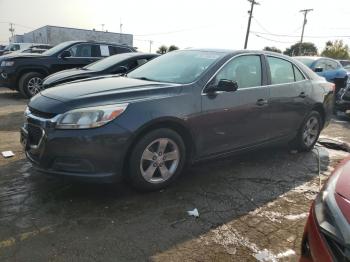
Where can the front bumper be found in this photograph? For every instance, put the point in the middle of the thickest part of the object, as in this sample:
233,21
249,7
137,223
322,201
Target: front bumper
314,246
7,79
91,154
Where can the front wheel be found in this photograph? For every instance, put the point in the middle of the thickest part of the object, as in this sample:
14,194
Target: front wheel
156,160
308,132
30,84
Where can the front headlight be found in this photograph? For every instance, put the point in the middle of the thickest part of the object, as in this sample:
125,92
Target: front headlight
328,215
90,117
7,63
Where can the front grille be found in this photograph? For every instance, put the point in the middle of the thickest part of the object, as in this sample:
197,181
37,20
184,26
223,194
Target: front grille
338,250
35,134
41,114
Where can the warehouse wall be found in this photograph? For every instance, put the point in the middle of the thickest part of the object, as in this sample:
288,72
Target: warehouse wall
54,35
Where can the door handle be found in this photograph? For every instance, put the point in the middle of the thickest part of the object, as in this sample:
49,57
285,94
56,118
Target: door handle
261,102
302,95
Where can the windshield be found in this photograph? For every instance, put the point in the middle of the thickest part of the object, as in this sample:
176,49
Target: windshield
106,62
180,67
306,61
57,48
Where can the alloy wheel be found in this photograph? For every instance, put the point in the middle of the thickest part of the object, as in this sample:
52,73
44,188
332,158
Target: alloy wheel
159,160
34,85
311,131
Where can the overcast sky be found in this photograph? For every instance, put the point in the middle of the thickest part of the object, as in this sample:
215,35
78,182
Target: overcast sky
185,23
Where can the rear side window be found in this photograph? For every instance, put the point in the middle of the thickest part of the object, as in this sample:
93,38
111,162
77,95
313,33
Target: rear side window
245,70
113,50
331,65
85,50
298,75
281,71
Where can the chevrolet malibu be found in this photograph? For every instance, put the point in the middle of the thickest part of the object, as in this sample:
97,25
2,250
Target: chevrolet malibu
179,108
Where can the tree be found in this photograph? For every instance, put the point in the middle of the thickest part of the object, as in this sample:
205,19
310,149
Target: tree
336,50
162,49
305,49
172,48
272,49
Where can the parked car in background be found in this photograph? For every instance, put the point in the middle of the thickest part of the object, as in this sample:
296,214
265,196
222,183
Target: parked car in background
184,106
25,72
39,49
2,47
13,47
116,64
327,232
342,102
328,68
344,63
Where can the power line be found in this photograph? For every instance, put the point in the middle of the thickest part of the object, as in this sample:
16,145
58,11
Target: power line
175,31
261,26
297,36
253,3
273,40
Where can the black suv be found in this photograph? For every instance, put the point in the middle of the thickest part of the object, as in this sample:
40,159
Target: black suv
25,72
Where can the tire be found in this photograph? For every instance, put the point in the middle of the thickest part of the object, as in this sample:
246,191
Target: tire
29,84
148,171
308,133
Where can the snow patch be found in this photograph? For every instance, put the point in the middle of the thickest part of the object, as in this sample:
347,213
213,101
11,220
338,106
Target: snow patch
296,217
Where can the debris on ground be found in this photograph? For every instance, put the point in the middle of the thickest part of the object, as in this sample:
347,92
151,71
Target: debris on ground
193,212
7,154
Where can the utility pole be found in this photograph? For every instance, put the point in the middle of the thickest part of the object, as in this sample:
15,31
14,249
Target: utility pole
11,29
150,45
305,11
121,26
102,25
253,2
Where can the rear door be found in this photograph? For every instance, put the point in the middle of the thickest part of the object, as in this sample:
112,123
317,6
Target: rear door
289,92
234,120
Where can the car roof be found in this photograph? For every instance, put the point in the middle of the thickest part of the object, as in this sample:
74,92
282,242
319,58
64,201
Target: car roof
242,51
95,42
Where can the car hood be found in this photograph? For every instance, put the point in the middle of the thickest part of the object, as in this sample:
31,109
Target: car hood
343,189
22,55
64,75
102,91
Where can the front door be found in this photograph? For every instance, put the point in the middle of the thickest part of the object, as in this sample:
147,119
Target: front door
234,120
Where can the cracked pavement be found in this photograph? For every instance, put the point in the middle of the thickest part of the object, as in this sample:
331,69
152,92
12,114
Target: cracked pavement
252,207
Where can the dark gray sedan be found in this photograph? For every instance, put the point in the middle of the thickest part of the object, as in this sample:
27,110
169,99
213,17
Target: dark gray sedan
185,106
116,64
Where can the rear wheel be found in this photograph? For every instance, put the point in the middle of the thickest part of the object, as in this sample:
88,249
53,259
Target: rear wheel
156,160
308,132
30,84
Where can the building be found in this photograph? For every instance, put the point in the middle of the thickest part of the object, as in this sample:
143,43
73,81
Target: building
54,35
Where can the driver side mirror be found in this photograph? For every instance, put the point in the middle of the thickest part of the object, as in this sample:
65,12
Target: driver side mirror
224,85
318,69
65,54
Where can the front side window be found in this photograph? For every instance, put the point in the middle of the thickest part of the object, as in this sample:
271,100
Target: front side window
245,70
180,67
281,71
321,64
85,50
